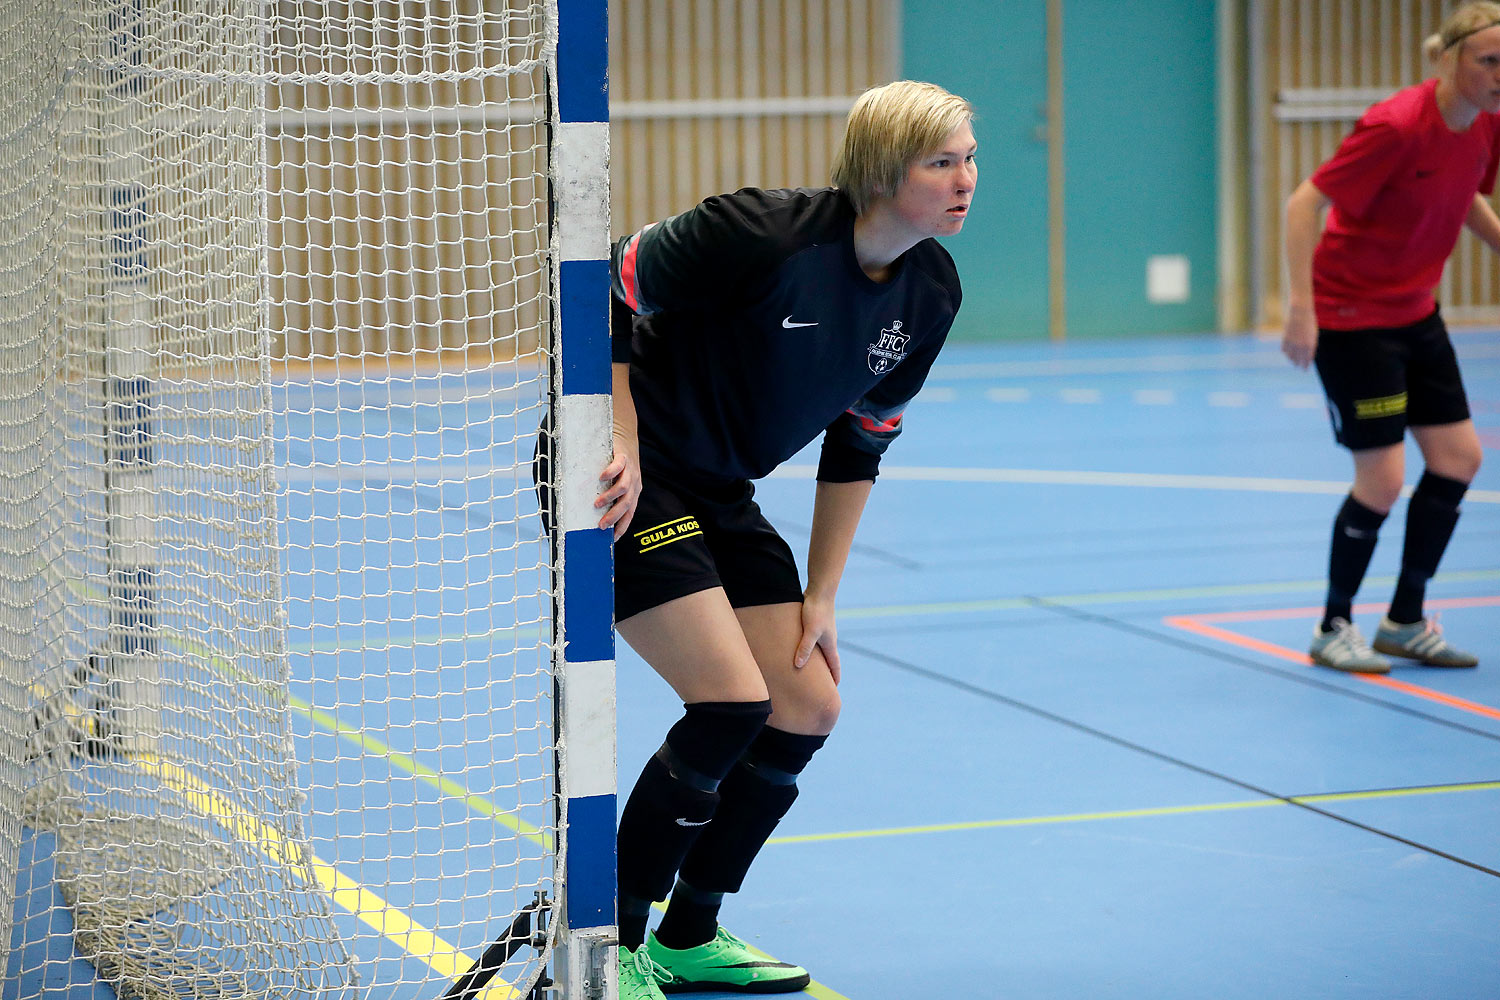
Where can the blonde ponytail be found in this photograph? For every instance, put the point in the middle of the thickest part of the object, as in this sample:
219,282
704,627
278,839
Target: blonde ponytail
1467,20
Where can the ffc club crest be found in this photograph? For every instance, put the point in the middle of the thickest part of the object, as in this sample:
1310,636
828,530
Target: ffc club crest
889,350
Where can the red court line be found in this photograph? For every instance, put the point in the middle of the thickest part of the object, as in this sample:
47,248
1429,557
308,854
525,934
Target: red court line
1198,624
1273,613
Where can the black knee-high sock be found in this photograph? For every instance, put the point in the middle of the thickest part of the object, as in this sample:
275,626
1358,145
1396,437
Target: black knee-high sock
1431,515
754,796
674,800
1355,532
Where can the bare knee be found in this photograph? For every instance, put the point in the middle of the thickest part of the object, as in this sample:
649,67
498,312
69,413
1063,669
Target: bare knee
1459,464
810,710
824,714
1452,451
1379,492
1378,477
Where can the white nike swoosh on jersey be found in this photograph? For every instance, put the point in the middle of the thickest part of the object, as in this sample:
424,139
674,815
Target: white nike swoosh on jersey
787,323
684,822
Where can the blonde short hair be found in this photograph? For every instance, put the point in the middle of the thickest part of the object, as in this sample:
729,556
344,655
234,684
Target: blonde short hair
1469,19
889,128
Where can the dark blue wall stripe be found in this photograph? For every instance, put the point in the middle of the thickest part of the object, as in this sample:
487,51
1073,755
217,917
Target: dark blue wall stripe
591,861
584,291
588,598
583,60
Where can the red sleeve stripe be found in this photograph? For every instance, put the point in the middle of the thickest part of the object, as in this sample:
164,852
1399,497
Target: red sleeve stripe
627,273
876,426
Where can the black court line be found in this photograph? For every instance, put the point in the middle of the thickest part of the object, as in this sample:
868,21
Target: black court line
1120,741
862,548
1221,652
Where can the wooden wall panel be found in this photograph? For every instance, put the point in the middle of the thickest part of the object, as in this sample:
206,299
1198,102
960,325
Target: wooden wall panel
406,208
407,216
1323,64
712,95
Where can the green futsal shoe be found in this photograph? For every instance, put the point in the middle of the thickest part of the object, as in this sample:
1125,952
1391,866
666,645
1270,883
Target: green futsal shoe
725,964
640,978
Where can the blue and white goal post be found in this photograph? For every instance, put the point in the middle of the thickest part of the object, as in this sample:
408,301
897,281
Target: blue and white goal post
583,656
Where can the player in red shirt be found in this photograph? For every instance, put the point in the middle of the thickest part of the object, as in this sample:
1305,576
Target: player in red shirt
1416,169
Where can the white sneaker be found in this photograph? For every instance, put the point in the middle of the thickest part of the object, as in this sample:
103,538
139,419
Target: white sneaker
1343,648
1423,641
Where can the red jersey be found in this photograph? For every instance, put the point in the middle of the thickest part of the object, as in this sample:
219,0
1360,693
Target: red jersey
1401,184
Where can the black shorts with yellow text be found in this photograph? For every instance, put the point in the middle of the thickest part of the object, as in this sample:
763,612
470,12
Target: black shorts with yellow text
687,538
1380,381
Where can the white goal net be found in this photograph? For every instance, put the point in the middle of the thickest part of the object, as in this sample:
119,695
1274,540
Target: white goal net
276,684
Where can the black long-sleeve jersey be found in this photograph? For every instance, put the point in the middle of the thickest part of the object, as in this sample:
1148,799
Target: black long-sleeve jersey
750,327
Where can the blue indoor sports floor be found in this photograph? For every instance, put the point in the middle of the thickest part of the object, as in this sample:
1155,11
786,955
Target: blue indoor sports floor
1082,754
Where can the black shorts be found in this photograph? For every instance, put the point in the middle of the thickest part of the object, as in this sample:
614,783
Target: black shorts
1380,381
684,539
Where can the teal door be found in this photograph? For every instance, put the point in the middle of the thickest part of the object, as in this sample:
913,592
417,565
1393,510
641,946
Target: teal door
995,55
1139,161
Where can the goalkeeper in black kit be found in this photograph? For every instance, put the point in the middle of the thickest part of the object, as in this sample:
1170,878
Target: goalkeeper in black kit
742,330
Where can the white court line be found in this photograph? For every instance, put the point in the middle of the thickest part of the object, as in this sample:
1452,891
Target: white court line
1264,359
1231,398
1154,397
1081,395
1106,366
1301,401
1007,395
1148,480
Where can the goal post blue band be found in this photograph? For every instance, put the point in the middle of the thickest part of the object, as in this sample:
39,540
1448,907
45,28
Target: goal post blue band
588,605
591,850
583,60
583,293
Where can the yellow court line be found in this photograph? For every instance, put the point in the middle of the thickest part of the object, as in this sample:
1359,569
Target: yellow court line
396,926
374,911
1133,596
408,934
993,824
402,762
370,908
405,762
1393,793
821,992
1206,807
